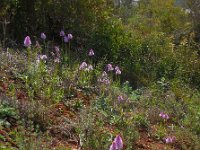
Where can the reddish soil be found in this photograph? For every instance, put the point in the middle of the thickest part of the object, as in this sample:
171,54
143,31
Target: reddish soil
62,133
147,143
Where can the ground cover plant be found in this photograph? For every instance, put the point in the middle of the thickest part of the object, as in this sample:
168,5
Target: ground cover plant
122,76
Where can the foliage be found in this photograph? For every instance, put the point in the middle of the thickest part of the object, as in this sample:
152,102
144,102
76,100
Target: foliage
58,91
7,113
193,8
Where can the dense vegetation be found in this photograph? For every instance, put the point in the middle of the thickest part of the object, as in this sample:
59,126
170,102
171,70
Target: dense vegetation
99,74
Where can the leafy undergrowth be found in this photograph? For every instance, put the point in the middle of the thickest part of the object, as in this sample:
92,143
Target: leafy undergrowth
48,104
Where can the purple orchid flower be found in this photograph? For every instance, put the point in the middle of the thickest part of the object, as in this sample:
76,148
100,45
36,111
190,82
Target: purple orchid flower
83,66
110,67
117,70
70,37
66,39
43,57
113,146
91,52
62,33
164,116
43,36
119,142
170,139
89,68
120,98
27,41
